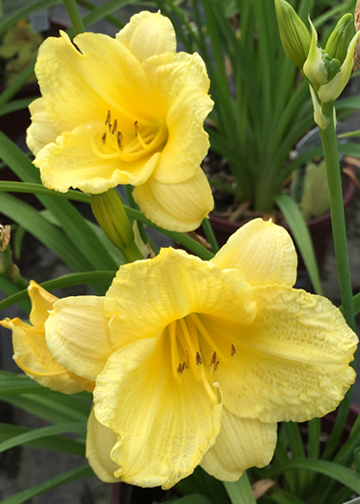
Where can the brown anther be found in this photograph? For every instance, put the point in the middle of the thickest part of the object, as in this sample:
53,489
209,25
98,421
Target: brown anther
103,138
233,350
108,118
119,138
187,360
136,127
180,368
198,358
213,358
114,127
216,365
183,366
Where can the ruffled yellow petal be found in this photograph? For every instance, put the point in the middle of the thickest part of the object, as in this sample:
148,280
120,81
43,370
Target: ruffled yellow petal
148,34
241,443
99,442
41,131
263,251
81,81
33,356
179,207
71,162
163,427
180,86
146,296
292,361
42,302
76,334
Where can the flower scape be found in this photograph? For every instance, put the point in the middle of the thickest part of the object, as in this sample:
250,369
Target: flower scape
192,362
125,110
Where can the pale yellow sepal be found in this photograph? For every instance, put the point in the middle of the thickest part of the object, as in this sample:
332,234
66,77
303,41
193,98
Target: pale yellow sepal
179,207
264,252
330,91
241,443
147,35
77,335
100,440
314,67
31,352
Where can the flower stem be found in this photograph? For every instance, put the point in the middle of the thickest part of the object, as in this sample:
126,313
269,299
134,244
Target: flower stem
74,15
331,153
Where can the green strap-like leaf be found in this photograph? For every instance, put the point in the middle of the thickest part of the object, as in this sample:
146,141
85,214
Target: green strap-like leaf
240,491
191,499
337,472
31,435
301,236
62,479
53,443
72,279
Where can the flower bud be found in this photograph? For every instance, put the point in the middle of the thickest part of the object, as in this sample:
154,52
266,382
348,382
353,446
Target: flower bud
294,35
110,214
339,40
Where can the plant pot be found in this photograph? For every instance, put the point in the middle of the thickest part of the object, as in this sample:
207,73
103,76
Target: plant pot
319,227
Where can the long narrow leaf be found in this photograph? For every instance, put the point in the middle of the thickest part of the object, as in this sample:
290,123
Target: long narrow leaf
32,435
301,236
334,471
60,480
53,443
240,491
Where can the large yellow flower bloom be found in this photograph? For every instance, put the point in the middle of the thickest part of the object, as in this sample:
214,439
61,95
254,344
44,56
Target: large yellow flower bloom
196,361
31,353
128,110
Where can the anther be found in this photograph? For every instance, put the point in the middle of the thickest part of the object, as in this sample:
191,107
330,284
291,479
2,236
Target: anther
180,368
187,360
233,350
108,118
103,138
119,138
183,366
213,359
216,365
136,127
198,358
114,127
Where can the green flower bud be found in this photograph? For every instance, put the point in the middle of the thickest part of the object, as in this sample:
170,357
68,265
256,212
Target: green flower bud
110,214
294,35
339,40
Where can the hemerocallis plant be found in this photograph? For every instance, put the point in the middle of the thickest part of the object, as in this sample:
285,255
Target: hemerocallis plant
125,110
196,361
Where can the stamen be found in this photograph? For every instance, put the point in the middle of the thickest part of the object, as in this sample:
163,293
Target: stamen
108,118
37,373
114,127
187,360
202,329
233,350
174,351
180,368
103,138
216,365
213,359
198,358
119,140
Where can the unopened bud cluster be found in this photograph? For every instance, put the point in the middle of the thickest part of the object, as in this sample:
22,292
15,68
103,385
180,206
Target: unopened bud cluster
327,70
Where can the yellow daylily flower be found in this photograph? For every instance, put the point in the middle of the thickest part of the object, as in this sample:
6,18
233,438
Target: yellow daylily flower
31,353
125,110
196,361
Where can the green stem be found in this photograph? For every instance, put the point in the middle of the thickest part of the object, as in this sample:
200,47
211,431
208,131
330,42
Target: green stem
210,236
74,15
331,153
240,492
